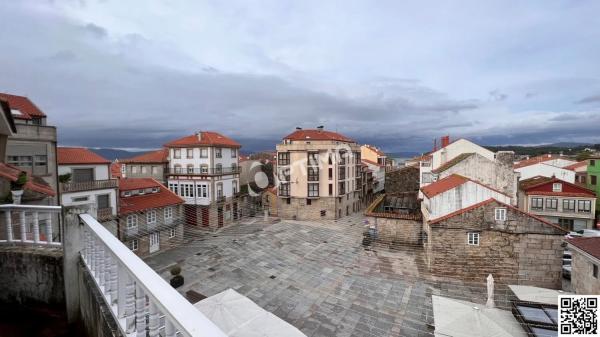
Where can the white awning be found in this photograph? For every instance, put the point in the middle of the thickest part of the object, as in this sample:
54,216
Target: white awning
458,318
537,295
238,316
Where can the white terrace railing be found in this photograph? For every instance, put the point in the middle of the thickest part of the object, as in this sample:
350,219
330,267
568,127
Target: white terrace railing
140,300
28,224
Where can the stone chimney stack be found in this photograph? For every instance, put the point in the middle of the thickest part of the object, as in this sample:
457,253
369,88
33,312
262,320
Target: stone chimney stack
505,157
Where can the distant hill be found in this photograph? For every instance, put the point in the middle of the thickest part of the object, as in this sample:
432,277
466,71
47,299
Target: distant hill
112,154
565,148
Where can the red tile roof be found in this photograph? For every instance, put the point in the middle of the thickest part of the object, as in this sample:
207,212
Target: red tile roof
79,155
137,203
589,245
316,134
483,203
206,138
115,170
34,184
577,165
544,187
443,185
158,156
451,182
538,159
24,105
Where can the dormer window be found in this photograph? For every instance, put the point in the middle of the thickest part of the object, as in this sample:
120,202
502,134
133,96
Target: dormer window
155,189
141,191
127,193
557,187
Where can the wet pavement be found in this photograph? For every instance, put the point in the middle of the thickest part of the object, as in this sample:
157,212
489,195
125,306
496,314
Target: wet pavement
318,277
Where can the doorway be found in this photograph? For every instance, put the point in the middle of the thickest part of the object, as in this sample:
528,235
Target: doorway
154,242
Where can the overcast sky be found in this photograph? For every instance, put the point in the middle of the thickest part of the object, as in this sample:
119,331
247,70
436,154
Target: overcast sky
134,74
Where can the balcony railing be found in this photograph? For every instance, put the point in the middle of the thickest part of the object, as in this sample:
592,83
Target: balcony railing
203,171
104,213
27,224
142,302
88,185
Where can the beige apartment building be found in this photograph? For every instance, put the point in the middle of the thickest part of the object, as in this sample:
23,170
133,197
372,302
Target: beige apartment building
319,175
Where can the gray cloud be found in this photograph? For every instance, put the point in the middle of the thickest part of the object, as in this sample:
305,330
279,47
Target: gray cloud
590,99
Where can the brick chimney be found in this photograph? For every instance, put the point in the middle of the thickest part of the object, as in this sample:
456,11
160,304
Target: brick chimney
445,141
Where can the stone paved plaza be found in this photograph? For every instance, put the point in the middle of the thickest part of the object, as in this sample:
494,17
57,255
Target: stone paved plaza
318,277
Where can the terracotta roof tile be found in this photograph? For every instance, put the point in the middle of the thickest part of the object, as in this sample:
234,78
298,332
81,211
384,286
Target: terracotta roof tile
316,134
576,165
24,105
543,186
452,162
79,155
538,159
443,185
590,245
35,184
158,156
137,203
207,138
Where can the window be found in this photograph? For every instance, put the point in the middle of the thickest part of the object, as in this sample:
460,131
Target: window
313,173
203,168
595,270
342,159
330,159
557,187
178,168
313,190
187,190
233,167
134,169
342,172
593,179
218,168
551,204
203,152
132,221
341,189
426,178
566,224
288,201
219,190
330,189
133,245
500,214
233,153
168,213
283,158
82,175
174,187
218,152
154,170
473,239
568,205
21,161
190,153
284,189
323,213
308,202
313,159
202,191
584,206
537,204
76,199
284,174
234,187
330,173
144,169
190,168
592,162
171,233
151,217
177,153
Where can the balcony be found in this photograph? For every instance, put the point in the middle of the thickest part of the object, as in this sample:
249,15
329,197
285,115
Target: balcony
214,171
104,214
88,185
221,199
28,225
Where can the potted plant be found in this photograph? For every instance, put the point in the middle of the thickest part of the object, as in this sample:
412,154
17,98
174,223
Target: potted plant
64,178
177,279
16,187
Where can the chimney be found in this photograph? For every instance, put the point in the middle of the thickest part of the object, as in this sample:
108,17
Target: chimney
298,128
445,141
199,135
434,144
320,128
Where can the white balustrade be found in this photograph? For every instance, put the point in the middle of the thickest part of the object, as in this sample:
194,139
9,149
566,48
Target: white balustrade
21,224
141,301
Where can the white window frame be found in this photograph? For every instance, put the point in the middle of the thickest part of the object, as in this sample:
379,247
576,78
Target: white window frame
133,245
556,187
132,221
233,153
168,213
473,238
151,216
144,169
177,153
218,152
190,153
500,213
171,233
203,152
133,169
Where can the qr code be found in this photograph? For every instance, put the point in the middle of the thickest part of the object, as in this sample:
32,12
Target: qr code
578,315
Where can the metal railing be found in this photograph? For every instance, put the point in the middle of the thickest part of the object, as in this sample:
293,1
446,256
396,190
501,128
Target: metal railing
104,213
88,185
203,171
28,224
142,302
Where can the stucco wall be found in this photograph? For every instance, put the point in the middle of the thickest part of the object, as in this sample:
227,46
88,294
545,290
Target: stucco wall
31,275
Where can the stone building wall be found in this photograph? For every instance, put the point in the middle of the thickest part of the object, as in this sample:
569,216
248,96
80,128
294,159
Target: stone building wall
403,180
395,230
334,208
582,279
521,250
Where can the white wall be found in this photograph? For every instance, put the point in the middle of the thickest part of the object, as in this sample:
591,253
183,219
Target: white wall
196,161
457,148
465,195
378,175
67,198
101,172
545,170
